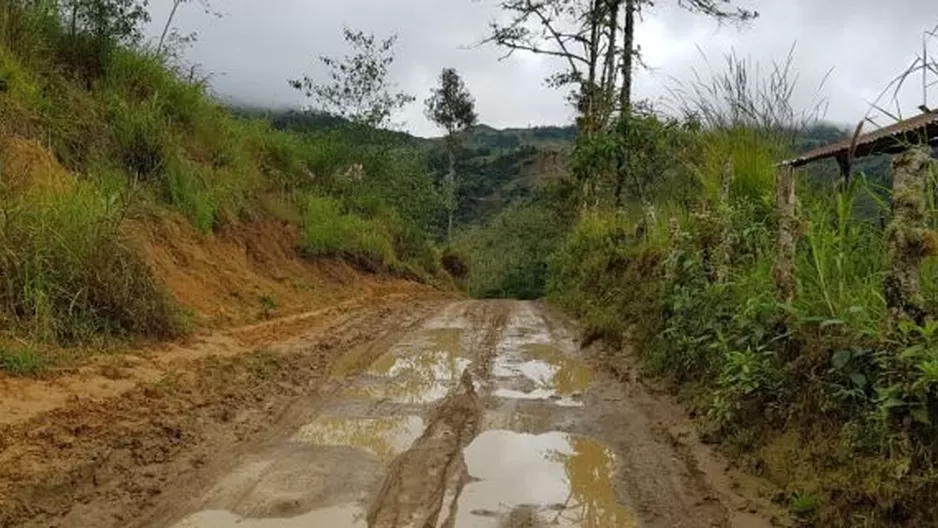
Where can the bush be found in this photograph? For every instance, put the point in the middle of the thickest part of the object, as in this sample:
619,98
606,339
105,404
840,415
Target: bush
455,263
68,274
508,256
327,231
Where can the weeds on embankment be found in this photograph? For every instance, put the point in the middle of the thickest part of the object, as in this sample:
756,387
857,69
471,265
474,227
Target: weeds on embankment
96,129
821,396
827,395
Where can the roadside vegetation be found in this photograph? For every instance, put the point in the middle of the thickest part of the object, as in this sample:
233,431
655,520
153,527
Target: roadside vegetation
663,236
100,133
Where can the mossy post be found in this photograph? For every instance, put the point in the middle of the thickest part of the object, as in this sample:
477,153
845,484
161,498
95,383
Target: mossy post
724,246
678,239
786,236
908,239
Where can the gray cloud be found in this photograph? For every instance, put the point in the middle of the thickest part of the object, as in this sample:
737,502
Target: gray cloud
257,46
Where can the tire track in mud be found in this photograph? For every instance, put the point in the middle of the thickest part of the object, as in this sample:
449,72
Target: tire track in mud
111,462
420,481
484,414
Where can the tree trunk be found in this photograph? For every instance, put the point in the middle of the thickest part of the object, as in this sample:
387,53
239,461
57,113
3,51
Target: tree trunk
908,240
625,97
628,50
609,68
787,235
169,21
450,192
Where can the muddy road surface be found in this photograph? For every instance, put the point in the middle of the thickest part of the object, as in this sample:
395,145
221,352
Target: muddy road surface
485,414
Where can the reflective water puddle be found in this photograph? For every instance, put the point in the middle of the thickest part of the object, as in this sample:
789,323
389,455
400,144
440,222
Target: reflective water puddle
538,394
439,357
554,478
382,437
553,374
420,373
349,516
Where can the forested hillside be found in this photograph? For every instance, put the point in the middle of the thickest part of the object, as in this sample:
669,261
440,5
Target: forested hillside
498,167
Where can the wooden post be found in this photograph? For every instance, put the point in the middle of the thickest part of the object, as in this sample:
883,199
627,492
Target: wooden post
725,243
908,239
787,236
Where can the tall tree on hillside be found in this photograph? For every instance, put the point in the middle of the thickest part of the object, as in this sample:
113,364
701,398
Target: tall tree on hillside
452,108
170,36
360,88
595,42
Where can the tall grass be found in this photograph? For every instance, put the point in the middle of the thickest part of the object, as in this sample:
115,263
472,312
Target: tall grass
119,118
68,273
842,263
327,231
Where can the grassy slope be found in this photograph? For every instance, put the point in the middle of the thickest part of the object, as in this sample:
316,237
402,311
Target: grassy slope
92,161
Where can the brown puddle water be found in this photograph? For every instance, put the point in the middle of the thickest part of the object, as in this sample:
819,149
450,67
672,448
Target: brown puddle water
551,479
552,374
335,517
419,372
383,437
515,479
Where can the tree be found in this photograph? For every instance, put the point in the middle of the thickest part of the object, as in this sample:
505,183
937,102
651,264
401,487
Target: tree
595,41
94,28
452,108
360,88
171,35
114,21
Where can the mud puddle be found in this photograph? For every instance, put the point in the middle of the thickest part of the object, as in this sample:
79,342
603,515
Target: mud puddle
483,417
553,479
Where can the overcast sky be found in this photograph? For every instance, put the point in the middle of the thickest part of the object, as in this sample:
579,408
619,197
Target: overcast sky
257,45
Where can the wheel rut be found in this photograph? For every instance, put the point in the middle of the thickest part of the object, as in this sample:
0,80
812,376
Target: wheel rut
488,414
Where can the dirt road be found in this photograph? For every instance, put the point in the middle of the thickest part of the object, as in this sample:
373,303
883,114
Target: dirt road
485,414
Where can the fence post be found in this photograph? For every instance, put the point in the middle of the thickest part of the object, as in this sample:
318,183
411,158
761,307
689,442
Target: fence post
725,243
786,236
908,239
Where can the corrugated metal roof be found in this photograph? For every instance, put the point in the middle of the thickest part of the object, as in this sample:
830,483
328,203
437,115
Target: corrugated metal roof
891,139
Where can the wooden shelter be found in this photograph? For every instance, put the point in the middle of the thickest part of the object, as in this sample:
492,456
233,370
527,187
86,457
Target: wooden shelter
893,139
908,236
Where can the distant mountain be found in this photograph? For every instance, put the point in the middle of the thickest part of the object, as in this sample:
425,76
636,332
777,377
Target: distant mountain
496,167
484,136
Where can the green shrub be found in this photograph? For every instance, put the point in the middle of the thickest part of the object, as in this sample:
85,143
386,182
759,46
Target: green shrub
22,361
327,231
599,273
188,191
142,136
68,274
508,256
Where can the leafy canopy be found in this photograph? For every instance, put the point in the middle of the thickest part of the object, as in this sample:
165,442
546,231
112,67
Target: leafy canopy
451,106
360,88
